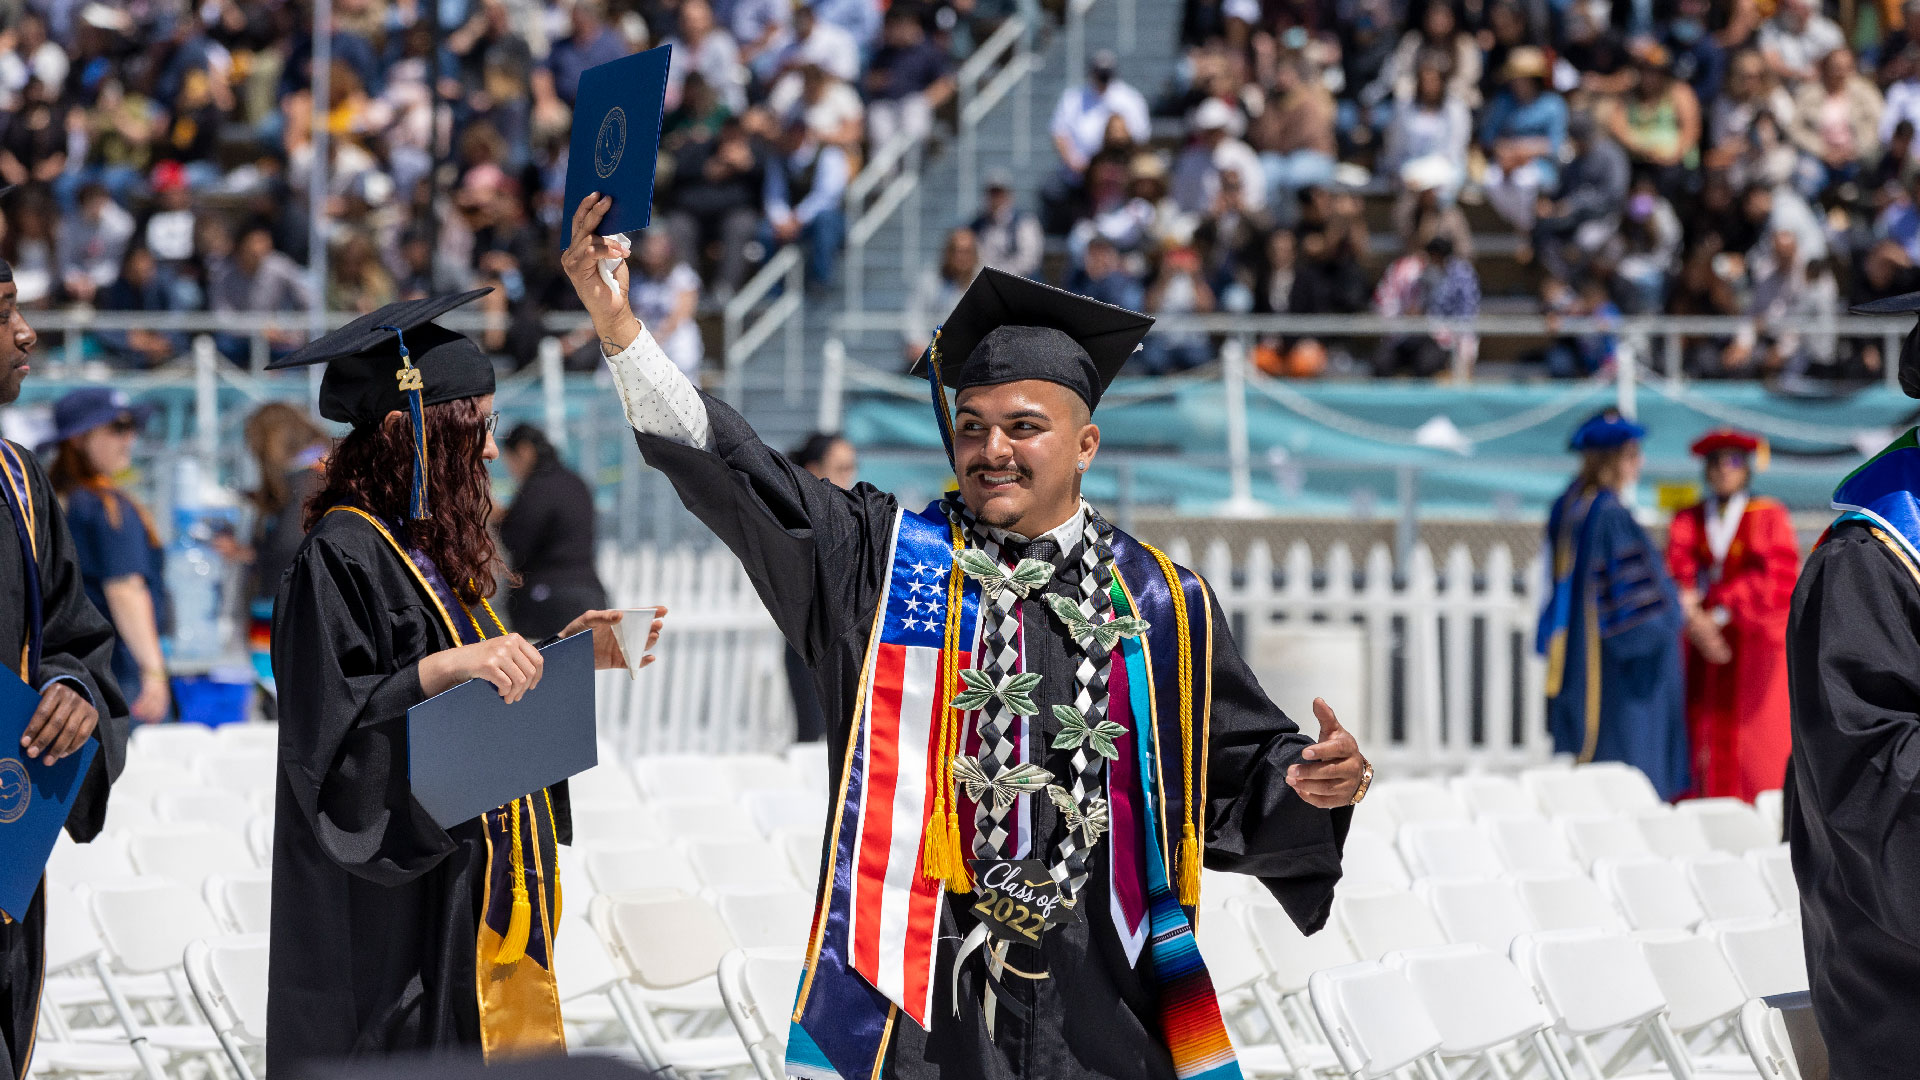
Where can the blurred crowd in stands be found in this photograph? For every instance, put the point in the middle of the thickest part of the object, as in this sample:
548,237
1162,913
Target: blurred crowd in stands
162,151
1579,158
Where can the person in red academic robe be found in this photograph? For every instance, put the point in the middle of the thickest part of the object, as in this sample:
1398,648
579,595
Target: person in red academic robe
1735,560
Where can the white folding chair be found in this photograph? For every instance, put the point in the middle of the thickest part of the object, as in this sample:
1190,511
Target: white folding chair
682,778
1488,795
1375,817
131,805
774,809
1771,806
762,772
705,821
1289,959
1448,849
218,808
1767,955
145,927
1235,970
775,918
585,975
1374,1020
1421,801
229,980
604,785
668,949
257,735
1703,996
626,867
76,1047
1653,894
1486,912
1597,983
1566,792
738,865
1730,888
1731,825
189,854
1764,1029
240,769
1479,1004
1775,865
807,761
1382,922
758,987
242,902
178,743
1623,787
1604,838
260,839
1567,902
1671,834
801,847
104,858
604,822
1370,863
1530,845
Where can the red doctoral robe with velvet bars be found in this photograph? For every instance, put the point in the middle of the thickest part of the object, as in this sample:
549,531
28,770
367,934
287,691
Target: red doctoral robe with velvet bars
1737,712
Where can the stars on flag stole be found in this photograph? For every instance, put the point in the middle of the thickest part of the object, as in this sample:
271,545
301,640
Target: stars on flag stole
871,952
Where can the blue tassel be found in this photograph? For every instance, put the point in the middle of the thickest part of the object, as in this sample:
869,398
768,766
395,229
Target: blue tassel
941,411
412,383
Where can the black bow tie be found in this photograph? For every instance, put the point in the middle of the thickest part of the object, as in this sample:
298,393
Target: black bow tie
1045,549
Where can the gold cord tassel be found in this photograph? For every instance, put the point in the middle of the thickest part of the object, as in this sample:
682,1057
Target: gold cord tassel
1189,866
514,945
941,856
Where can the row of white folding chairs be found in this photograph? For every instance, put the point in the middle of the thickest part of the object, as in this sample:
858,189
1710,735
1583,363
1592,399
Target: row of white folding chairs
763,814
702,777
691,866
1725,823
189,854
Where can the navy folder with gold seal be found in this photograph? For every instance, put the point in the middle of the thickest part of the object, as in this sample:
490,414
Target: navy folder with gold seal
34,798
617,117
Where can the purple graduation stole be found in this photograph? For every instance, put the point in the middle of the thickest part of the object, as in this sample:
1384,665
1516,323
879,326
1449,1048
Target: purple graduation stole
870,955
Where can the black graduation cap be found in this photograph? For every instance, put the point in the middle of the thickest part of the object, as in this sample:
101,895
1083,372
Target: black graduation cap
1904,304
1008,328
397,358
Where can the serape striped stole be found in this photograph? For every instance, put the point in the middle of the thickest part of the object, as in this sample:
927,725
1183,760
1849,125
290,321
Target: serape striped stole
871,953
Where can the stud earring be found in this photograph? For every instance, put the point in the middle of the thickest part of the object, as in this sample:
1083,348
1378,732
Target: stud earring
1080,465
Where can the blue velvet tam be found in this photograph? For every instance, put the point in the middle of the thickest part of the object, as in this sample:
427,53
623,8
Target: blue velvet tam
1605,430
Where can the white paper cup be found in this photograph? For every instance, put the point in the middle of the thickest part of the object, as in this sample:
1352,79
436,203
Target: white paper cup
632,632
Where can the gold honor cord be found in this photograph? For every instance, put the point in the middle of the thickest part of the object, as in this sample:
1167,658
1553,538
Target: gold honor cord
942,857
1187,867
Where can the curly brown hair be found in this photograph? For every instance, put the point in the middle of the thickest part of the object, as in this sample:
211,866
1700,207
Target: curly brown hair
372,469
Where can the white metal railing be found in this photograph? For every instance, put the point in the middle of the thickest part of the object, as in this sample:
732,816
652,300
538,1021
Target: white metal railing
747,325
1429,663
894,173
1003,62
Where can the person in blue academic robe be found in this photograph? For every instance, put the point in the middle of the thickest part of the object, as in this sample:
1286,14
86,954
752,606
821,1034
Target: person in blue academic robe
1611,627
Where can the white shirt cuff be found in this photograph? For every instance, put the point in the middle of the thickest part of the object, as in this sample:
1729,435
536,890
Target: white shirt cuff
658,397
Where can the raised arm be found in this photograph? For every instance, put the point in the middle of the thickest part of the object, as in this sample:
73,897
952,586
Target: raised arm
816,553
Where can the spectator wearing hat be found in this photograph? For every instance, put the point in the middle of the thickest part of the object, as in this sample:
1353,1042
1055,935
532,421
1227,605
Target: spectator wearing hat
1008,237
1522,133
1215,149
1836,124
1079,130
909,79
122,566
1657,120
1796,39
1610,630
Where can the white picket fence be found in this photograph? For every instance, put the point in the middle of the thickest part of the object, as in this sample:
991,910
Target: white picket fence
1432,671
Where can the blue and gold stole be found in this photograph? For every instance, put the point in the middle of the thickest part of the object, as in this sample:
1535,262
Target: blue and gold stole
871,949
520,905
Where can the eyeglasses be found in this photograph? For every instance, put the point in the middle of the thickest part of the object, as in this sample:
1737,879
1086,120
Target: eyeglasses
492,422
124,426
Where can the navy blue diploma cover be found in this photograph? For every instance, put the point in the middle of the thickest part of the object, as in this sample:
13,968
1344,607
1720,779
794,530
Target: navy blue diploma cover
615,146
469,752
34,798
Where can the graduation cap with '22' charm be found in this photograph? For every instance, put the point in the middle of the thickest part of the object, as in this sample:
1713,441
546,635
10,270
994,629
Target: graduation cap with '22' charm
397,359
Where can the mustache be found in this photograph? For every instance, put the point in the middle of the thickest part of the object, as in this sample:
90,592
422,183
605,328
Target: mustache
1015,467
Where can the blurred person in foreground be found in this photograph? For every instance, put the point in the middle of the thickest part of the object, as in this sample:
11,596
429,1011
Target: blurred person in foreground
390,933
833,459
1734,559
548,532
884,601
1611,627
122,564
59,644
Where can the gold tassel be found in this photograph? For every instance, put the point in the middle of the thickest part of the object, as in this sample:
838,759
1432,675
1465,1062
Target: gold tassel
961,879
1189,867
514,945
934,862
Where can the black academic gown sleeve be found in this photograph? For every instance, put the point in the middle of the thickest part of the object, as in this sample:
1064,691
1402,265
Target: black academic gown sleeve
1256,823
375,907
1853,797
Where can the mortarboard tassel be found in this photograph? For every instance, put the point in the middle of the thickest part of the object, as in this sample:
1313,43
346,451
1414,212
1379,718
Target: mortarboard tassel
412,385
520,924
941,410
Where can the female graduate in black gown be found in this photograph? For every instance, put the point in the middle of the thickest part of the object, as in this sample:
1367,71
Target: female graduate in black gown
390,933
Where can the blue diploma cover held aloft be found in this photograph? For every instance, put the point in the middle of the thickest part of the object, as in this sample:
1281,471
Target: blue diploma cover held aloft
34,798
469,751
615,145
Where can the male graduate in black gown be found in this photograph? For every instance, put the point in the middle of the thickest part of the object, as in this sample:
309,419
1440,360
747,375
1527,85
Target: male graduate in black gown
1852,818
1021,702
53,638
